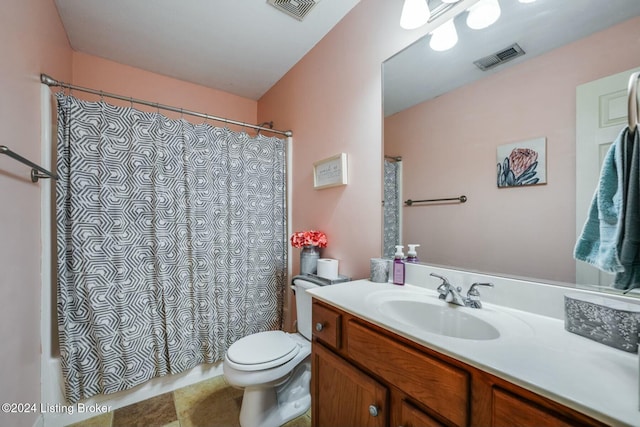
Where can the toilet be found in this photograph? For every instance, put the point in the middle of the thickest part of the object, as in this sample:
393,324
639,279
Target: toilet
274,368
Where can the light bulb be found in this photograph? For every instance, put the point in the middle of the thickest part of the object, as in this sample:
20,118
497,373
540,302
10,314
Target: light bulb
450,1
483,14
415,13
444,37
526,1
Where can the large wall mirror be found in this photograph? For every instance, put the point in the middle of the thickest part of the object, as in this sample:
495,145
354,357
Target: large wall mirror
445,120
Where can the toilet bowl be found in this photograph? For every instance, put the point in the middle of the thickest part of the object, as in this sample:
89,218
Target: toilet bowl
274,368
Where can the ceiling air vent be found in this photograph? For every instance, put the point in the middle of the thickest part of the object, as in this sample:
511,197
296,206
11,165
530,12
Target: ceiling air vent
295,8
505,55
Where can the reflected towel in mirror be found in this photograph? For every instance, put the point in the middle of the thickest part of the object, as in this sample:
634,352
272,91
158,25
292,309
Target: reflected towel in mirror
610,239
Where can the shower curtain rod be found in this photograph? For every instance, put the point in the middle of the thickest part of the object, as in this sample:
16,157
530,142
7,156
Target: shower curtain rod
49,81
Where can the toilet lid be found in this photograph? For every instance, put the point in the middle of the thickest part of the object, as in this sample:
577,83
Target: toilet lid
262,350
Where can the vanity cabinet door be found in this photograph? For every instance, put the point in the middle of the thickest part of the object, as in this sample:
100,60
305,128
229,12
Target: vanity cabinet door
410,416
512,410
342,395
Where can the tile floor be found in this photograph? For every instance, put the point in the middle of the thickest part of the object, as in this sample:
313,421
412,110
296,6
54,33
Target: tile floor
210,403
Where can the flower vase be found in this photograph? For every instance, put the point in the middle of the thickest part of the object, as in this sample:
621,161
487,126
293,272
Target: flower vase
309,259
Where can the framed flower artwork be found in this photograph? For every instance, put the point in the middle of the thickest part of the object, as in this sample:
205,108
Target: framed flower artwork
522,163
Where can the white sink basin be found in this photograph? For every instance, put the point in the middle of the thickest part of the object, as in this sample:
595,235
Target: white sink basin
423,311
450,321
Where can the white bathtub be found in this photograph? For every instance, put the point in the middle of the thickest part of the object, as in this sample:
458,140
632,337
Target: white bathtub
55,412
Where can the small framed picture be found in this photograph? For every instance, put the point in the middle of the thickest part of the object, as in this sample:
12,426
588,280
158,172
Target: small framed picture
330,172
522,163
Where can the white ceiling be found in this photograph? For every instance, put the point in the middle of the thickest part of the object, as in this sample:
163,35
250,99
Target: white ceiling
418,73
239,46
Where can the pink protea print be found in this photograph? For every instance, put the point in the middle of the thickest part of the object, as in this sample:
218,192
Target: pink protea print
519,168
521,159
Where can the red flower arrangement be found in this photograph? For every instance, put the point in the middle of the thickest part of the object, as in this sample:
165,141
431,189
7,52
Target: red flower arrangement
309,238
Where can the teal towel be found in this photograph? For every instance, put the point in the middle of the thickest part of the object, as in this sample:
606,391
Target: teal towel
610,239
598,243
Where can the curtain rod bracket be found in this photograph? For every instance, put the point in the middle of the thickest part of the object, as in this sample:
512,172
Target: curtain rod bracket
49,81
35,175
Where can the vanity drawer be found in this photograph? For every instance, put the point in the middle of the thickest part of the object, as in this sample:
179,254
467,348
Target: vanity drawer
437,385
326,325
511,410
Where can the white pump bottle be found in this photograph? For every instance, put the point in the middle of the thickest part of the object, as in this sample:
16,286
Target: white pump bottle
412,255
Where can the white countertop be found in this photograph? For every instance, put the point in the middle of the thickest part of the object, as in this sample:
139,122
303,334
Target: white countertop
533,351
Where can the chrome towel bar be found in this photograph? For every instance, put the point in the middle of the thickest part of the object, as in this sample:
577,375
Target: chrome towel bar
460,199
37,171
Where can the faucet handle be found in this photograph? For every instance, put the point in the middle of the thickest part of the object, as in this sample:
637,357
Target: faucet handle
444,279
473,290
473,295
443,288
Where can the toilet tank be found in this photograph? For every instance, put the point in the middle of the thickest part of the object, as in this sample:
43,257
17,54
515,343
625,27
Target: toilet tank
303,306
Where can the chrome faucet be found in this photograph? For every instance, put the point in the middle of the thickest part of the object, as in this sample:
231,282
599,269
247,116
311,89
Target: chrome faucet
448,292
452,295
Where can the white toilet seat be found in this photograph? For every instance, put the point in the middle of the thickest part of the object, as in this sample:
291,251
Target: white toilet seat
274,368
260,351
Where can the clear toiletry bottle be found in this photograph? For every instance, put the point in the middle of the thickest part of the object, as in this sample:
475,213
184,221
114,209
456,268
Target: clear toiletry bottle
398,266
412,255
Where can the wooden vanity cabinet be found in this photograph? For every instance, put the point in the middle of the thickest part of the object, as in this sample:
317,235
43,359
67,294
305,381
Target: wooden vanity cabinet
349,397
364,375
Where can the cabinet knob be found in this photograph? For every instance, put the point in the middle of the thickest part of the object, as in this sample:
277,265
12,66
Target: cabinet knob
319,326
373,410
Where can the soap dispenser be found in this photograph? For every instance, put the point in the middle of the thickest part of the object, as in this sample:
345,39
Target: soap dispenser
398,266
412,255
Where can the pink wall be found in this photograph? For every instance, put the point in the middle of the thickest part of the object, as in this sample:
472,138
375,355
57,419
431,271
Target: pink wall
332,100
108,76
33,42
449,148
39,45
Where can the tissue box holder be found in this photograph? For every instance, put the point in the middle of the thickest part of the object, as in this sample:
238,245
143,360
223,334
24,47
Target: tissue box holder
607,321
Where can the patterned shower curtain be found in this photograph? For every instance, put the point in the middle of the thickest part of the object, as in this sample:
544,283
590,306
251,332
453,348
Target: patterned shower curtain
171,243
391,207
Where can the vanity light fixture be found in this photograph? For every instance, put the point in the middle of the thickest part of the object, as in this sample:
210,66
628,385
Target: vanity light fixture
415,13
444,37
483,14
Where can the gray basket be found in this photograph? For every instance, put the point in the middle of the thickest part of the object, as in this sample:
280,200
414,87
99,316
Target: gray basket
605,320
